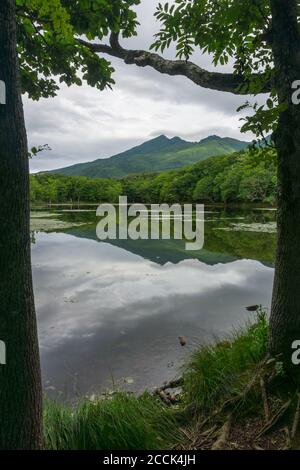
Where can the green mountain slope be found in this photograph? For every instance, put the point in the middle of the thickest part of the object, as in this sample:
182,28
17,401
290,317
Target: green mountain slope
156,155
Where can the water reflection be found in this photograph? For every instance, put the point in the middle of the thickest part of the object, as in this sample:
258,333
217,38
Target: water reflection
112,312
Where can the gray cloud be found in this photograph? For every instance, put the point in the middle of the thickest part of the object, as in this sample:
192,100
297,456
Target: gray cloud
82,124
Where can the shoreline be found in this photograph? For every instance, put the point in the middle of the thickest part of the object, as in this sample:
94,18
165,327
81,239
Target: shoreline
233,397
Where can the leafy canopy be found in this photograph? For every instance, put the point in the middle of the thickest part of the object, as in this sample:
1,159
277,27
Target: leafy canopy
235,32
238,33
48,50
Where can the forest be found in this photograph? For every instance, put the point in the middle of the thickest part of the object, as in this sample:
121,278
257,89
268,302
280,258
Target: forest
242,177
122,345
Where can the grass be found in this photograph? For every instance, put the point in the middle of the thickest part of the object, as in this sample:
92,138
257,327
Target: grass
121,422
124,422
216,372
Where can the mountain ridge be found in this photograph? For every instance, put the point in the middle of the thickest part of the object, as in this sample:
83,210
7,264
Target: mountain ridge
158,154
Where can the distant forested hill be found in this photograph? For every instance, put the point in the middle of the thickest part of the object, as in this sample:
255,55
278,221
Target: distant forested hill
247,176
156,155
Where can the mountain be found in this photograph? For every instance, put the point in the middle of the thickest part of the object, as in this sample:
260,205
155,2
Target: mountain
155,155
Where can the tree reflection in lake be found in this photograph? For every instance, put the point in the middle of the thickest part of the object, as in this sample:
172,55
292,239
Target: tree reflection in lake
112,312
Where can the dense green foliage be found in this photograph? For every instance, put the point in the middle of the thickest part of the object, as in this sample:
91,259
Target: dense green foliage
55,189
240,177
156,155
48,48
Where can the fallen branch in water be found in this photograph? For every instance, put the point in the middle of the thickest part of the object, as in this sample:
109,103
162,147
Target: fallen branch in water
167,398
164,397
172,384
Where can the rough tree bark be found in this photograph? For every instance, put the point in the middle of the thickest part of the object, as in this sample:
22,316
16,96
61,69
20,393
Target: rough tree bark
20,382
285,315
227,82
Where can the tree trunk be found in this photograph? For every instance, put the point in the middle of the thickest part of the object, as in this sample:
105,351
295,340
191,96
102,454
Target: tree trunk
285,315
20,378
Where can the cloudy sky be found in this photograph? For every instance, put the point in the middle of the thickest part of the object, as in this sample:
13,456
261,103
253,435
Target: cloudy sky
82,124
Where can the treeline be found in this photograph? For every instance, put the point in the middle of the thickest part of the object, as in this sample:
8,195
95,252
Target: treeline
55,189
241,177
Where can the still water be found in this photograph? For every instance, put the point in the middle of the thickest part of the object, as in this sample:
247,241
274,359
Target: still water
109,314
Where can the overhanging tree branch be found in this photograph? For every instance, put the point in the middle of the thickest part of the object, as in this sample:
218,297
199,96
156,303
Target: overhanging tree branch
227,82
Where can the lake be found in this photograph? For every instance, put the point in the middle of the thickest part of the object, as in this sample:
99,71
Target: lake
110,313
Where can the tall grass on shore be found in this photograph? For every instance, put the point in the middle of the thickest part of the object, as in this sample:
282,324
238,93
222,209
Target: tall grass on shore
123,422
219,371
